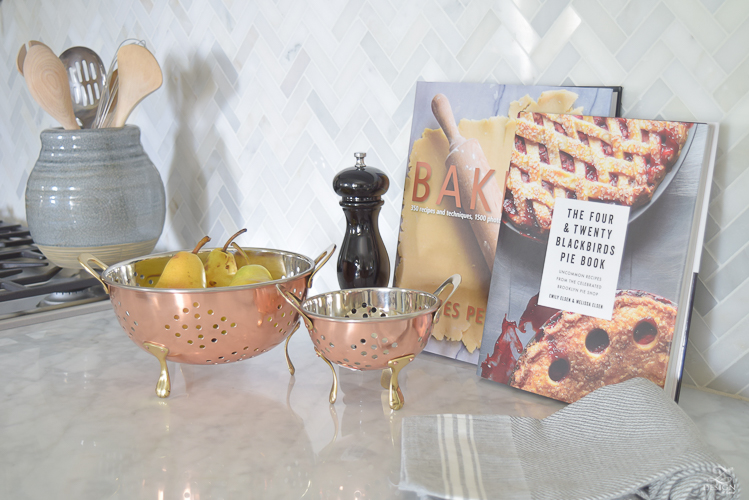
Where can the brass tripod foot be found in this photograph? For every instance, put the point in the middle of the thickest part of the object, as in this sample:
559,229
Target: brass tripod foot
333,390
286,347
163,386
389,380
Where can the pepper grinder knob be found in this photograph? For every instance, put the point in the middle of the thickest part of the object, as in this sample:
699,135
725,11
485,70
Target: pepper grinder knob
363,260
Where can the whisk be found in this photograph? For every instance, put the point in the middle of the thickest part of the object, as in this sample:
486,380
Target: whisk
104,114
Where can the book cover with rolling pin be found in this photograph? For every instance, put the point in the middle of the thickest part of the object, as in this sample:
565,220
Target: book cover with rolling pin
461,140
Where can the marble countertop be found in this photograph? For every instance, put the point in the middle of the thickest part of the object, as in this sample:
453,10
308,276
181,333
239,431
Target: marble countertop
79,418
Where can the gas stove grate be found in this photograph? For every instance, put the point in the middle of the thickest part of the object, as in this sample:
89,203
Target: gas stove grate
25,272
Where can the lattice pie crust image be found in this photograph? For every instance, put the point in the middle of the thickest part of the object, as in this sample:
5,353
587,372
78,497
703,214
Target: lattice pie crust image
612,160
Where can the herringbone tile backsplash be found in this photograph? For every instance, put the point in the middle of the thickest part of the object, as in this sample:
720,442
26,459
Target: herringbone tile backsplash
264,102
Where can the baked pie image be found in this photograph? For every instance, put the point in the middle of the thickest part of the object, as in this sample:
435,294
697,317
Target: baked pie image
612,160
573,354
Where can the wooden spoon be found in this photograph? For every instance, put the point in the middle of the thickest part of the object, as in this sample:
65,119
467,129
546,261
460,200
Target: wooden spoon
22,54
48,83
139,75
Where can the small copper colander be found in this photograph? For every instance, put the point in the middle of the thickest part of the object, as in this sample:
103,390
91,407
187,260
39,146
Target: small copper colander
207,326
372,329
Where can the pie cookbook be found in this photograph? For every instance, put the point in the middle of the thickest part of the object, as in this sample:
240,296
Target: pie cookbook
595,266
461,141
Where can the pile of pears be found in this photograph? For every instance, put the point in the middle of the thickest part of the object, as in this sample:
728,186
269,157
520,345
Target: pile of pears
223,268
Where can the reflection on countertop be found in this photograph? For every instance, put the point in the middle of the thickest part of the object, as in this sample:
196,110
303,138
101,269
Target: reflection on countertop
78,409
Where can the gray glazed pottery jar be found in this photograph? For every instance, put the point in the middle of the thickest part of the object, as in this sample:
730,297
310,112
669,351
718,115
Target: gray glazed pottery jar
96,191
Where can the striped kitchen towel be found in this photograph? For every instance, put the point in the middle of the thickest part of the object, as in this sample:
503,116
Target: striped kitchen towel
627,440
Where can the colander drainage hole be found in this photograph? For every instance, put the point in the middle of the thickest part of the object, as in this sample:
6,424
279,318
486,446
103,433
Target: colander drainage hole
374,310
365,315
364,304
353,346
214,340
353,311
363,341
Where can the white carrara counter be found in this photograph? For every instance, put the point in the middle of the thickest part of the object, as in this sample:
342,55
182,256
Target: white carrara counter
79,418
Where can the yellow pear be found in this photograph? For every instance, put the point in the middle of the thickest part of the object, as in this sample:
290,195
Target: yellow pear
221,266
273,263
251,274
184,270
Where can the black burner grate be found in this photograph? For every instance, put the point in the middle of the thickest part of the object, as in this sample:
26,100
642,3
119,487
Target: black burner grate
25,272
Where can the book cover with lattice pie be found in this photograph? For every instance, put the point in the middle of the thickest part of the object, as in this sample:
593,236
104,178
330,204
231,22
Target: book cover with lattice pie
661,170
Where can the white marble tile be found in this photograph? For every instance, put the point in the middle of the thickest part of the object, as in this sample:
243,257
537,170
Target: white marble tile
699,369
691,93
556,37
728,349
478,39
731,13
527,7
444,27
517,25
590,48
694,15
645,36
728,313
728,205
601,23
471,16
734,87
693,56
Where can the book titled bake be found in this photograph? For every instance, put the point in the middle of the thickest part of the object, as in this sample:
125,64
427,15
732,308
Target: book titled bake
461,141
595,267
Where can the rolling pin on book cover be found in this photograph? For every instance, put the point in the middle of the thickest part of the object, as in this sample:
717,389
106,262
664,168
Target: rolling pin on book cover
462,137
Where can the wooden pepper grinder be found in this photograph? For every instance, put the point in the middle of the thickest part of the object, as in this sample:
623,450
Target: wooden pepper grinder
362,260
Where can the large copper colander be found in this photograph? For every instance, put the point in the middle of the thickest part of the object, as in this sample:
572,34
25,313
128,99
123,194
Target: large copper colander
207,326
372,329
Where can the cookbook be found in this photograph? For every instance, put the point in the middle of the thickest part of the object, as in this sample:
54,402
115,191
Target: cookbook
461,140
596,263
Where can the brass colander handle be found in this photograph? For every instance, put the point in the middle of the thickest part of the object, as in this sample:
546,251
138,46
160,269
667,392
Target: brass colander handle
296,305
84,260
453,280
320,261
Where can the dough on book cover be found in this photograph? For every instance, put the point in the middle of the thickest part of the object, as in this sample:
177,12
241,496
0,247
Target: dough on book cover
437,244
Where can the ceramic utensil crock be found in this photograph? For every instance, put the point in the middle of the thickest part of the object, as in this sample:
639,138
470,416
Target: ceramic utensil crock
94,191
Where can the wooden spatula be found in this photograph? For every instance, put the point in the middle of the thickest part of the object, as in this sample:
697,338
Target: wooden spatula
48,83
22,54
139,75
